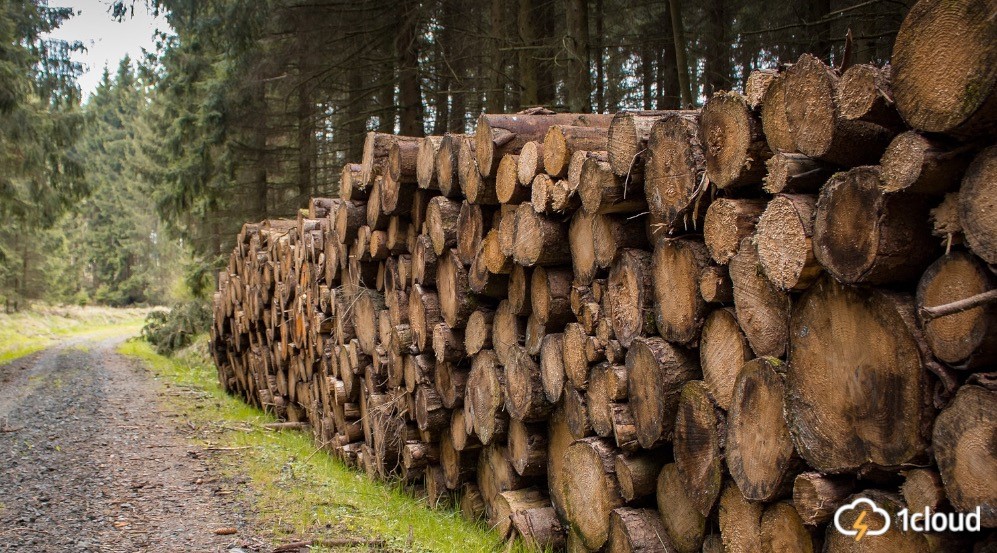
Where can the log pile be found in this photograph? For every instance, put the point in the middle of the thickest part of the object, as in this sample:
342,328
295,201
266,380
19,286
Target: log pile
642,331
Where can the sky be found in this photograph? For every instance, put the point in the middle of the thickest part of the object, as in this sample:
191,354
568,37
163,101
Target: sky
107,40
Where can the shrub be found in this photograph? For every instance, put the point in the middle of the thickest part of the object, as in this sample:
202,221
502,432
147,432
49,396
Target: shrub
173,330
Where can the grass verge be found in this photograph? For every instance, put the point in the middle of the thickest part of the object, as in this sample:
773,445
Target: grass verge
26,332
297,491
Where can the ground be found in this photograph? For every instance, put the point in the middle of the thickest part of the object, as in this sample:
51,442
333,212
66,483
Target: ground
93,462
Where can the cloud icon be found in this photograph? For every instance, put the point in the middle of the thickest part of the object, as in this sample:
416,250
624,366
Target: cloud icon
860,527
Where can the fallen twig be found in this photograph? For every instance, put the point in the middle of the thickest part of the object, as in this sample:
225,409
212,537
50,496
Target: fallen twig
335,542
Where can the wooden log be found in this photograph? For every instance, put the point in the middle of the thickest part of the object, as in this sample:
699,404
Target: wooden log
581,242
550,290
530,163
450,380
559,438
425,170
775,124
895,539
862,235
447,178
759,450
656,373
965,451
785,242
456,300
684,525
350,187
576,412
782,529
424,261
512,501
478,333
477,189
700,429
539,240
430,414
853,402
472,506
508,331
795,173
507,187
965,340
815,120
471,225
542,193
377,219
590,490
864,94
528,448
631,298
637,474
486,398
519,297
607,385
601,191
817,496
628,135
923,489
524,398
740,521
761,309
920,164
552,366
402,162
723,350
575,361
562,141
539,528
495,475
673,175
499,134
715,285
942,63
733,141
448,343
679,310
728,221
757,84
975,200
636,530
612,233
458,466
441,223
494,259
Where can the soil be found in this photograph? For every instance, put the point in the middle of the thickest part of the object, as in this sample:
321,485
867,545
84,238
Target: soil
92,460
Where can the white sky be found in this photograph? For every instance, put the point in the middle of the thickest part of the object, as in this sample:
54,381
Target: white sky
107,40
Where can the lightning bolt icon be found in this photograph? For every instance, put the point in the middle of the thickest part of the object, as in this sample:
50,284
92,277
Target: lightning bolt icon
860,525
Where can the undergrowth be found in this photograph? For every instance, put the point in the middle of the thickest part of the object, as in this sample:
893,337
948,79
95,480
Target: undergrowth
296,490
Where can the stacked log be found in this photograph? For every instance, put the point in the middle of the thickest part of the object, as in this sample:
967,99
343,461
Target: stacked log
645,330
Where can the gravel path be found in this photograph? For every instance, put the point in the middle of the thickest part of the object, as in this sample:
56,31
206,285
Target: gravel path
91,463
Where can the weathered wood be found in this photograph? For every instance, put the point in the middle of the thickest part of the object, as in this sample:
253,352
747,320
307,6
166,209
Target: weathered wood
700,430
733,141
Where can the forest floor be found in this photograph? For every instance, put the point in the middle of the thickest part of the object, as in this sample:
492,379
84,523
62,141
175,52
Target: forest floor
106,446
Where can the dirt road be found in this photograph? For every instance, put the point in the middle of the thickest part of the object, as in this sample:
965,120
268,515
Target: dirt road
90,462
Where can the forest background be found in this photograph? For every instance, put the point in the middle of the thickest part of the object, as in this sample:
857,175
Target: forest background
248,107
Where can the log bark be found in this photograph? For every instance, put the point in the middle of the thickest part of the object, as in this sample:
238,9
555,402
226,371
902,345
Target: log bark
815,120
759,450
424,315
864,236
350,187
732,138
950,43
976,213
855,387
700,431
684,525
728,221
964,340
723,350
448,343
762,310
637,531
965,451
785,242
656,373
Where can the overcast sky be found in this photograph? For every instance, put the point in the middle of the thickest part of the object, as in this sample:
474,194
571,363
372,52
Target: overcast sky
107,41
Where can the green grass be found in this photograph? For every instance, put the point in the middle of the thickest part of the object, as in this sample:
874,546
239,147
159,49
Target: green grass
297,491
26,332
